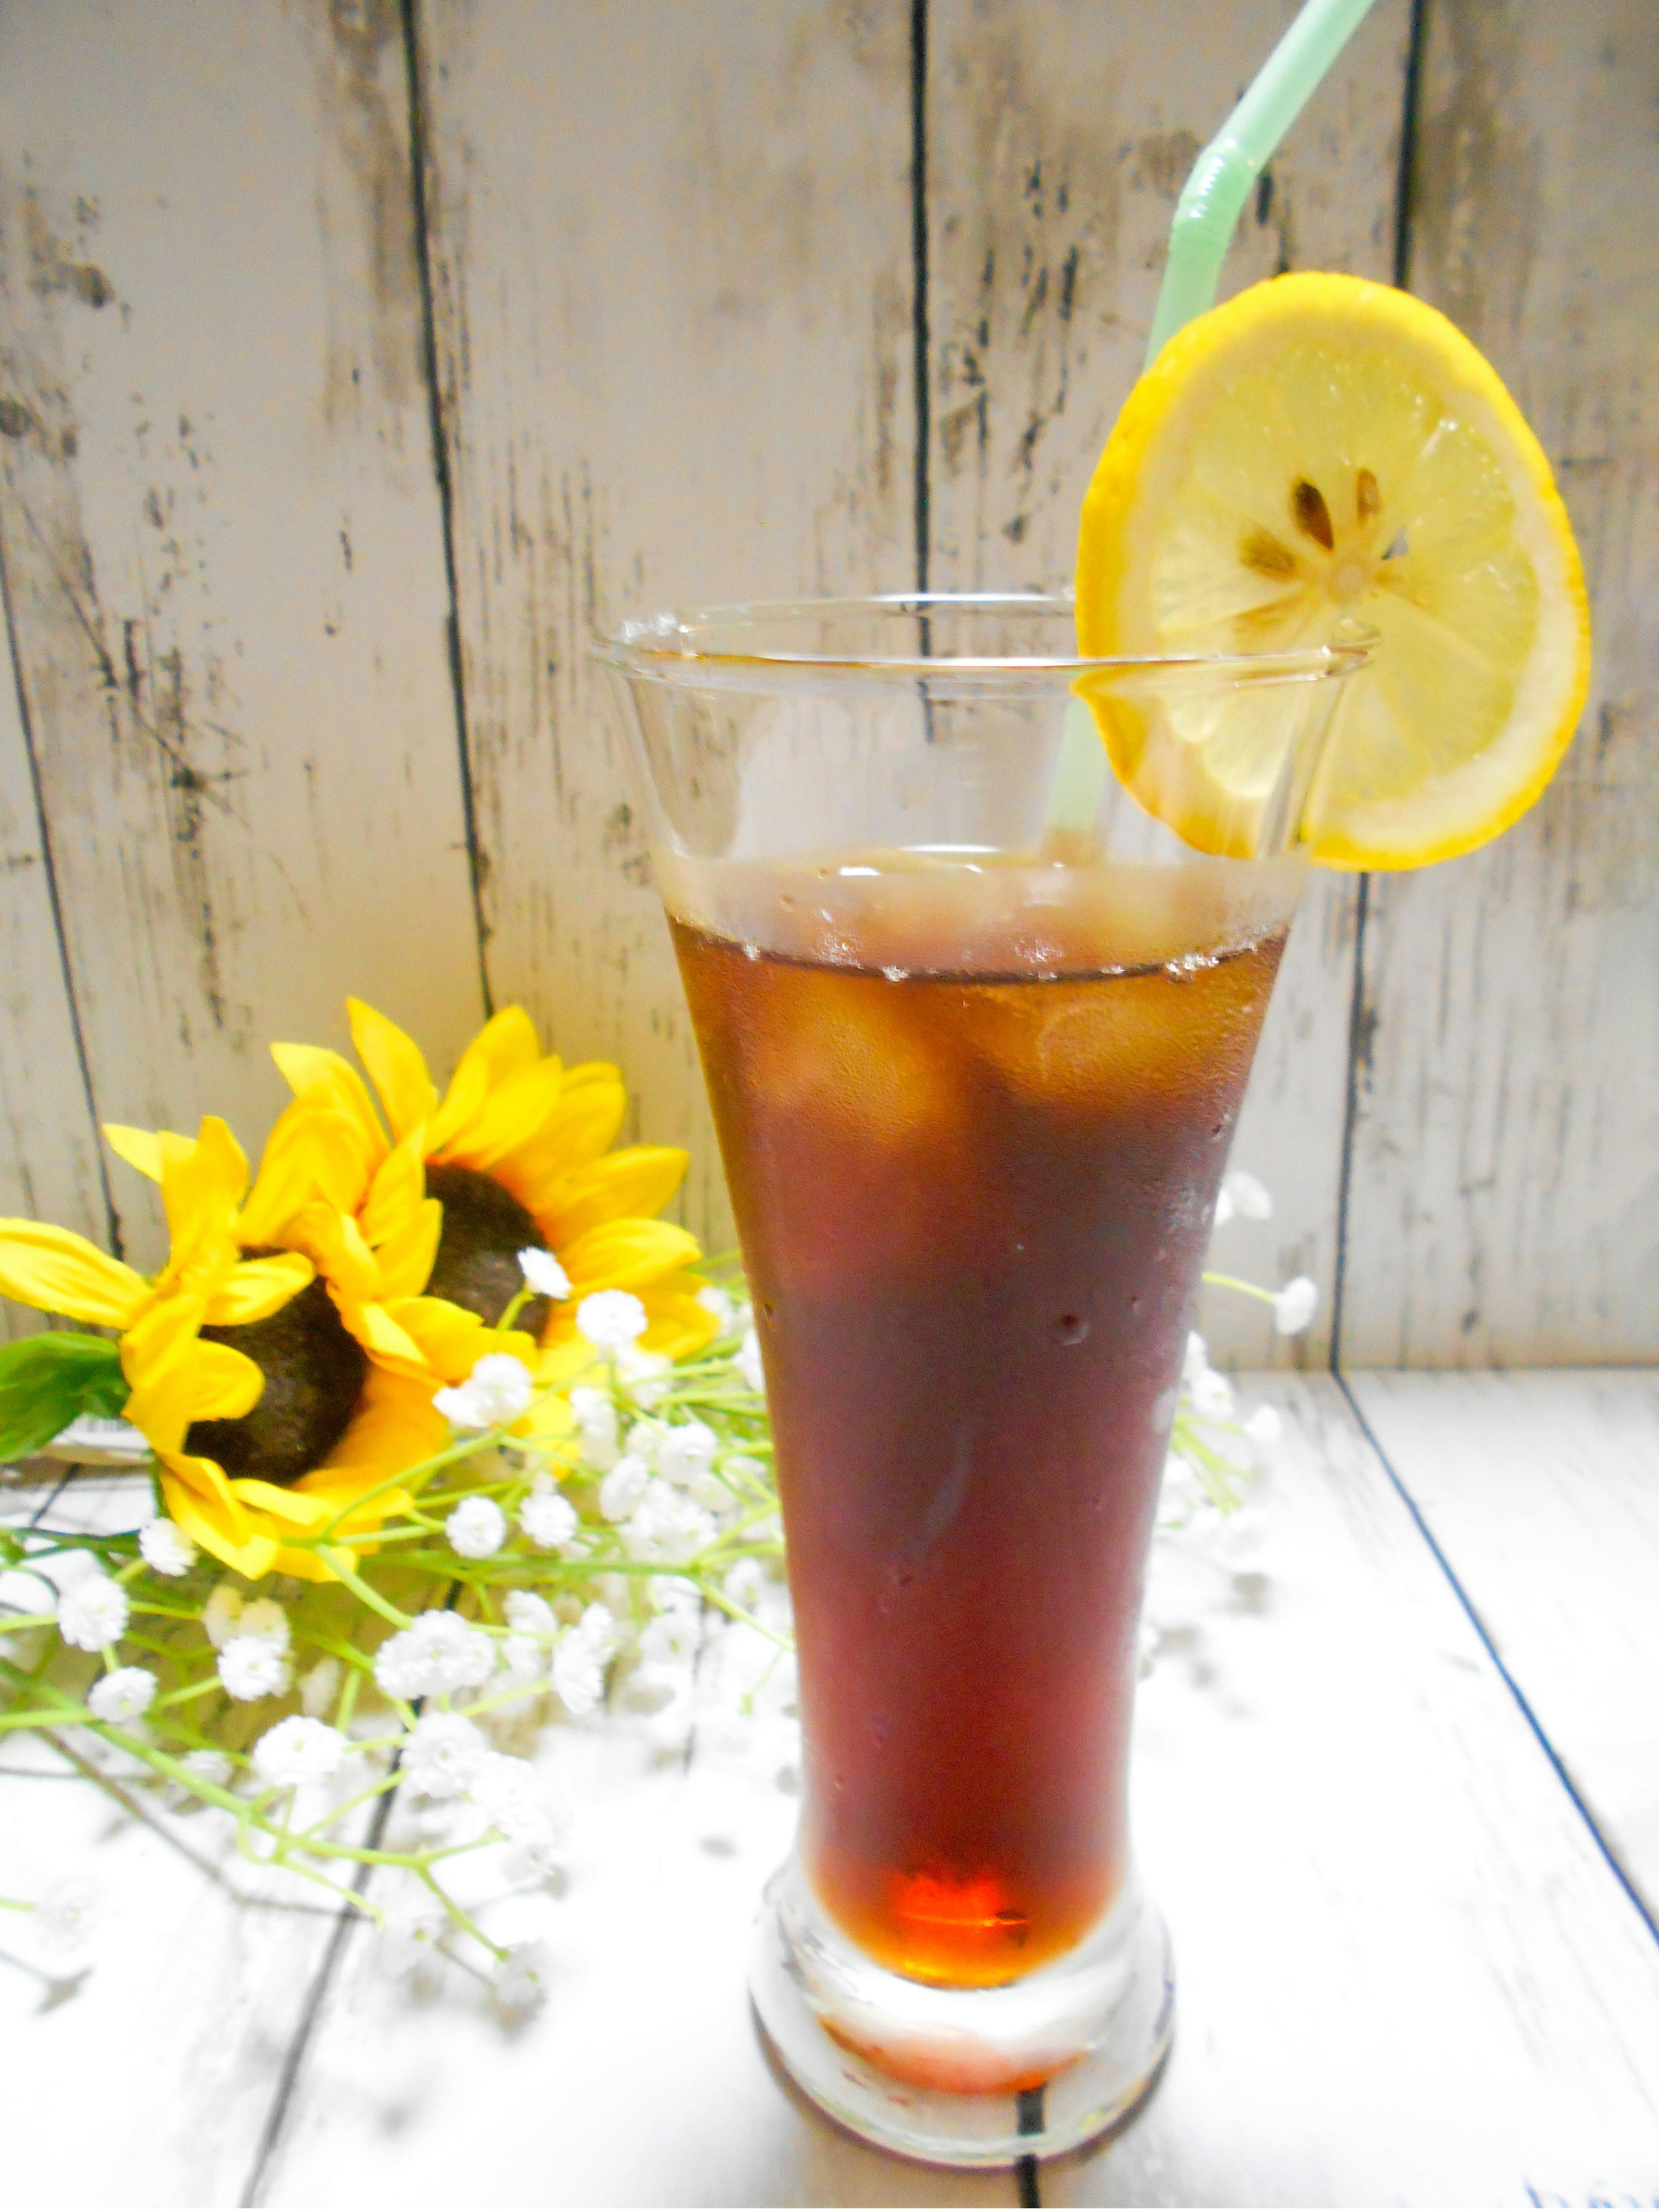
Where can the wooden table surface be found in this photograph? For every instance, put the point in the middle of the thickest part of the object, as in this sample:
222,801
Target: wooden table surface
1395,1788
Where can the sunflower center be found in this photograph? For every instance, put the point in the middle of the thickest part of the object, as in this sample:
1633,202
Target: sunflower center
485,1229
313,1369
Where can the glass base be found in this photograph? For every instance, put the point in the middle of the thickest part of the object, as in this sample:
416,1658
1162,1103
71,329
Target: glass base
965,2077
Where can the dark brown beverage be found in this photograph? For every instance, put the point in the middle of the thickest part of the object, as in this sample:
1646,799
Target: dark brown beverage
974,1203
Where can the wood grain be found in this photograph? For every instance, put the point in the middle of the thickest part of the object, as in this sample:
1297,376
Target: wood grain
670,259
1505,1199
171,2022
50,1164
1544,1491
1059,136
222,539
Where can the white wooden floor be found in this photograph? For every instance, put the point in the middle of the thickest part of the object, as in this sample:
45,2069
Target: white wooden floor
1397,1789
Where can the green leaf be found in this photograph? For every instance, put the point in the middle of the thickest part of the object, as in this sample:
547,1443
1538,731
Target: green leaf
47,1381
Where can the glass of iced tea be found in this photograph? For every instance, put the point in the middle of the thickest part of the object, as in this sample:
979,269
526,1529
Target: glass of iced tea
975,1027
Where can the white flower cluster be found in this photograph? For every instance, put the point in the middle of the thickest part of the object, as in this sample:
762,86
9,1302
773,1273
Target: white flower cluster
437,1654
448,1757
252,1637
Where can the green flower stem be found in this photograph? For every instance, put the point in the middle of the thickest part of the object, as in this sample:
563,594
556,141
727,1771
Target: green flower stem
17,1904
1237,1282
462,1919
361,1589
10,1622
726,1605
189,1694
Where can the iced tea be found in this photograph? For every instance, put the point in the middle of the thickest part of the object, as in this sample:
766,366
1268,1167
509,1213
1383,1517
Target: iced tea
974,1114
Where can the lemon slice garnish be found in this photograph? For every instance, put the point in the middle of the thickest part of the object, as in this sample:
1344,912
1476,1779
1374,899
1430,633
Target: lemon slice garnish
1316,452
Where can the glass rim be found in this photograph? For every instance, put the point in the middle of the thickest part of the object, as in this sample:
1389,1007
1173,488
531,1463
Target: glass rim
663,648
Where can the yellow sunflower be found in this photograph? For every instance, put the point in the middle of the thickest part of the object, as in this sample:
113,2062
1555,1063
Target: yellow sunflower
337,1417
181,1380
517,1153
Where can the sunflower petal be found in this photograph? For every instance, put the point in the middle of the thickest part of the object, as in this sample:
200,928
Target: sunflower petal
581,1127
281,1503
199,1498
638,1182
395,1068
201,1191
405,1260
255,1289
624,1255
61,1273
314,1073
513,1113
139,1148
676,1325
452,1340
395,1426
503,1047
315,1151
397,1190
224,1383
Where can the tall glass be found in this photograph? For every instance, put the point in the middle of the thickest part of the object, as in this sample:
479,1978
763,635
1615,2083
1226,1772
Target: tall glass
976,1028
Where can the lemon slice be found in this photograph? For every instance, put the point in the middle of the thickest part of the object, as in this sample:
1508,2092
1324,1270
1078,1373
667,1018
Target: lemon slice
1321,451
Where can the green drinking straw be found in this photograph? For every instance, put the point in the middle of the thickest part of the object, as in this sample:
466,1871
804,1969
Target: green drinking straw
1211,201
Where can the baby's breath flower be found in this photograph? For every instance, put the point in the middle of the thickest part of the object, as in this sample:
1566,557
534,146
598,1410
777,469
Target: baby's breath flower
686,1453
665,1525
66,1916
166,1548
713,1300
596,1423
299,1750
476,1529
252,1667
611,1319
547,1519
524,1658
744,1583
1211,1395
1295,1305
498,1391
644,1375
542,1271
749,1361
210,1766
320,1688
580,1662
439,1652
509,1793
122,1696
521,1978
530,1614
623,1487
221,1614
443,1754
1244,1195
578,1675
92,1612
263,1619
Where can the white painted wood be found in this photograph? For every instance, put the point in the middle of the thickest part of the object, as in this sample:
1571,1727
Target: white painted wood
1544,1491
222,536
1059,136
141,2069
1506,1174
49,1148
1407,1974
671,271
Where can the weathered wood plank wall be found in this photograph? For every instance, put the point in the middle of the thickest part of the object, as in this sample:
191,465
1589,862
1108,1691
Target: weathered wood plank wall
677,262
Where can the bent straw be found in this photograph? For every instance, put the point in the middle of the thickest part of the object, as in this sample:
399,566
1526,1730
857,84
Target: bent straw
1211,200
